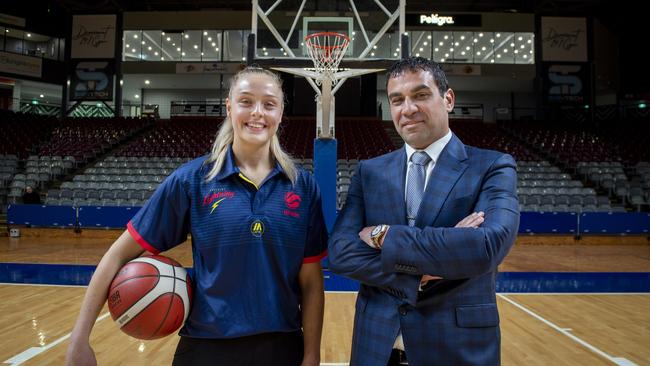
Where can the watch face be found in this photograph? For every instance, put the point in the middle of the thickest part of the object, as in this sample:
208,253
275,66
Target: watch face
376,230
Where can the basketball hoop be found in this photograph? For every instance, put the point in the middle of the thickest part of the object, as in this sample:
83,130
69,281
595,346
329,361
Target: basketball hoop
326,49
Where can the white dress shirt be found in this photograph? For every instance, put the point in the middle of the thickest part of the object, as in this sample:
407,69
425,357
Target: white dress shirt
433,151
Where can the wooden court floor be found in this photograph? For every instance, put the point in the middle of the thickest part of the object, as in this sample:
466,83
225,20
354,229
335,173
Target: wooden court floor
537,329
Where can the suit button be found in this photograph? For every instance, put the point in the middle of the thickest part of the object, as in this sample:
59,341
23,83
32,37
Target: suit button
402,310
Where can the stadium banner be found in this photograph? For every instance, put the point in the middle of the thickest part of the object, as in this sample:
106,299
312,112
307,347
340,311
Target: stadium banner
92,80
12,63
93,36
12,20
566,83
564,39
207,68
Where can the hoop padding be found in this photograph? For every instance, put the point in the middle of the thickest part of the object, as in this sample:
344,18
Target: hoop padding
326,49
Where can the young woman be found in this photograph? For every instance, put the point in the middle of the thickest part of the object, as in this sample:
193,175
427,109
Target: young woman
258,236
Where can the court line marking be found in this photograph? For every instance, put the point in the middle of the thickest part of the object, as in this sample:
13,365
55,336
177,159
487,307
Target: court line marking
40,285
616,360
35,351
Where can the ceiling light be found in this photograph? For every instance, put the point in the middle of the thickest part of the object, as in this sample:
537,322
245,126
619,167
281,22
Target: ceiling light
187,36
136,96
147,82
29,34
205,33
135,36
42,96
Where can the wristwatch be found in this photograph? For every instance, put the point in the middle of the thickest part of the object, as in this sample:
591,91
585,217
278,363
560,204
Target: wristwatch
377,234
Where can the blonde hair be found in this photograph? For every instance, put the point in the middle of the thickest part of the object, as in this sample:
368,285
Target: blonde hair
225,135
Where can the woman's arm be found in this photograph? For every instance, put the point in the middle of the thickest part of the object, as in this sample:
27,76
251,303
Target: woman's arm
123,250
313,299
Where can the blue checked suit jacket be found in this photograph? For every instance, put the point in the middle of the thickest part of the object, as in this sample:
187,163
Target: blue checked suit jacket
453,321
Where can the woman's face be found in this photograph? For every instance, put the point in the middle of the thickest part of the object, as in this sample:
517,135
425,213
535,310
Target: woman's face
255,109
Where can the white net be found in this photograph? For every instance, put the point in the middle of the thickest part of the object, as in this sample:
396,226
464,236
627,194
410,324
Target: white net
327,49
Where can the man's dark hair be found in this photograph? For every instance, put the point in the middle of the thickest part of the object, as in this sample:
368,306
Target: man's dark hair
414,64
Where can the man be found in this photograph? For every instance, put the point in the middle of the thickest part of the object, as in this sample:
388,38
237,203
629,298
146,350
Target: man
30,197
424,229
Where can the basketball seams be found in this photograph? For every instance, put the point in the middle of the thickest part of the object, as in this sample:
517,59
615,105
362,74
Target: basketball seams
169,306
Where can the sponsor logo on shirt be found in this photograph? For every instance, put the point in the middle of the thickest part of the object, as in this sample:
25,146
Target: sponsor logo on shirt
257,228
292,201
213,199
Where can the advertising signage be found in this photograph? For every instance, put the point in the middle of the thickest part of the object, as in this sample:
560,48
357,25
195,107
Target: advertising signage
438,20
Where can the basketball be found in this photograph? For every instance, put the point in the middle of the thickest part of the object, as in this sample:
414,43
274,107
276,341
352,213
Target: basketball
149,297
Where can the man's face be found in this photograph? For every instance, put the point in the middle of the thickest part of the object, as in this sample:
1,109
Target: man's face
419,112
28,189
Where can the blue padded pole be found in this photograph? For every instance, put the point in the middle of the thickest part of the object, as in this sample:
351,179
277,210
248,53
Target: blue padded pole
325,174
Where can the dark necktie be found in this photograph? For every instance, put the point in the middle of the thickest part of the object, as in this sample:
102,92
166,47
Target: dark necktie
415,187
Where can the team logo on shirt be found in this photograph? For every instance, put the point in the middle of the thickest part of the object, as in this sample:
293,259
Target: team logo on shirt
213,199
257,228
292,201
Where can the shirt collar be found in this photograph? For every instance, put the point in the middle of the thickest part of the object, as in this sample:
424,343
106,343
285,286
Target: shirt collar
432,150
229,167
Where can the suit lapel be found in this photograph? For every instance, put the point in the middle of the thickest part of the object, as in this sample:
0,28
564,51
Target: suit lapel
450,166
396,204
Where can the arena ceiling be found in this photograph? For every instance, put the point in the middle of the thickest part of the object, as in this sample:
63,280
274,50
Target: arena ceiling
575,7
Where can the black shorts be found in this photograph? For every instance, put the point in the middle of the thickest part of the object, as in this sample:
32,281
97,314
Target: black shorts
273,349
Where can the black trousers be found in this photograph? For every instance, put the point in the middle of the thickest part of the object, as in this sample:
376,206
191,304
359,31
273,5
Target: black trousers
397,358
272,349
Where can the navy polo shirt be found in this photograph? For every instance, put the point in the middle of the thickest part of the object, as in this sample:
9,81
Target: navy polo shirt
248,244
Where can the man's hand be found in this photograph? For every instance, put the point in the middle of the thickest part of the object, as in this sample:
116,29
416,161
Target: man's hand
474,220
364,235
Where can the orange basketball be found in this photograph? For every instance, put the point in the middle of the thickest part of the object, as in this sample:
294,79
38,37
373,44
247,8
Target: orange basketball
149,297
